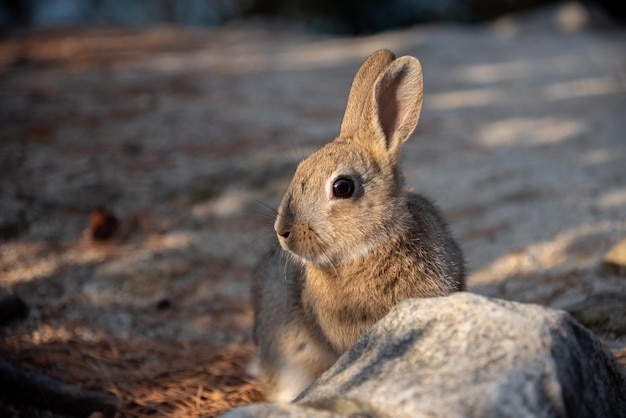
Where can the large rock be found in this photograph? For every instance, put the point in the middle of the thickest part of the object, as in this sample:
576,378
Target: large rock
466,356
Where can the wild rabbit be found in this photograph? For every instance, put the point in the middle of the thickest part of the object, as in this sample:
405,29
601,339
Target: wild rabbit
357,241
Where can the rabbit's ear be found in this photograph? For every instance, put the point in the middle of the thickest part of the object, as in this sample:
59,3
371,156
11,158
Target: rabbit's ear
392,108
361,88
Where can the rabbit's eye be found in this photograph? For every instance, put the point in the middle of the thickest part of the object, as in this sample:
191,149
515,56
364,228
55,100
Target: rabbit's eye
343,188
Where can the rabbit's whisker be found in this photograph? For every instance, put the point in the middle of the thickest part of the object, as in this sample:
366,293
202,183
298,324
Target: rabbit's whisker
295,149
265,205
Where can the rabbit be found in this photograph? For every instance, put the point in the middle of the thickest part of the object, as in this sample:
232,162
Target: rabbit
354,241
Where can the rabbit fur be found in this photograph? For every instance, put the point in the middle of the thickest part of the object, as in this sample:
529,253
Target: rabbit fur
355,241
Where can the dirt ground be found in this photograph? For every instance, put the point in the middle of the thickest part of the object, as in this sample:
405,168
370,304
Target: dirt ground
189,137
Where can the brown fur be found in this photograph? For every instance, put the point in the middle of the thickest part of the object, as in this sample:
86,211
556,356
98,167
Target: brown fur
351,259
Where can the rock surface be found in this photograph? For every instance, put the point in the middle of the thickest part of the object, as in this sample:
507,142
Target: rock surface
466,356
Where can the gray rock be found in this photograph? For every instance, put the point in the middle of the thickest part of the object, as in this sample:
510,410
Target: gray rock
466,356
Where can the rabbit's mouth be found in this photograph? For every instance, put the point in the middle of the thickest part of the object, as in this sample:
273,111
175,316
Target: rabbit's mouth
305,244
310,248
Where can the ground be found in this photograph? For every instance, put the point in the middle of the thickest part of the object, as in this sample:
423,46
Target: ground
189,136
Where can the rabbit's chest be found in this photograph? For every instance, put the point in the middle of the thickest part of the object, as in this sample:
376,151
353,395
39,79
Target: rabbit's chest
343,312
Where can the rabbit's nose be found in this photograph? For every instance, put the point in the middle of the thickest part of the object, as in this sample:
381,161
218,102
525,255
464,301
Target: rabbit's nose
283,223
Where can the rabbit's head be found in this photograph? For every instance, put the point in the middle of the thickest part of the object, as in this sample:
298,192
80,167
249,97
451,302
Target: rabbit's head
347,198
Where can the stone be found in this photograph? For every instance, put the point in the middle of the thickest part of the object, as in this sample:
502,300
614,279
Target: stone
614,262
466,355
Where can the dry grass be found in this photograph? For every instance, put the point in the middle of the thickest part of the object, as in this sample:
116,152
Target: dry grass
149,378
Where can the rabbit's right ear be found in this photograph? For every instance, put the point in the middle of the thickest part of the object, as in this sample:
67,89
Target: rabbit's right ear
373,66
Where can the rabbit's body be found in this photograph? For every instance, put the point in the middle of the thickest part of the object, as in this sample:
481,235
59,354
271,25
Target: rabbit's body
347,299
358,241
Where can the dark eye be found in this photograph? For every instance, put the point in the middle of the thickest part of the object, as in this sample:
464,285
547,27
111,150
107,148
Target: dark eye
343,187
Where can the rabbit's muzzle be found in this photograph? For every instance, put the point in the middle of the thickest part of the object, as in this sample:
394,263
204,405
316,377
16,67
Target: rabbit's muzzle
300,239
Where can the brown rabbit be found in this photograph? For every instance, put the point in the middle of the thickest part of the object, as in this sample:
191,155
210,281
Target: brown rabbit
357,241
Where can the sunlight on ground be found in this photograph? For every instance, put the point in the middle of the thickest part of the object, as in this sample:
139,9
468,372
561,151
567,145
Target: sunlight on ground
516,70
228,203
564,251
528,131
344,51
13,254
613,199
583,87
464,98
599,156
301,56
82,252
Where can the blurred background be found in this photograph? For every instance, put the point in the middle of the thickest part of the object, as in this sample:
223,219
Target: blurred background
144,145
349,16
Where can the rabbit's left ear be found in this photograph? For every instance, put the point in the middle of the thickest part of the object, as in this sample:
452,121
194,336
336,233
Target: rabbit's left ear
393,106
361,87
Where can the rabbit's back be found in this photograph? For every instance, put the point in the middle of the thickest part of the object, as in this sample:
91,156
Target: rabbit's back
435,241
